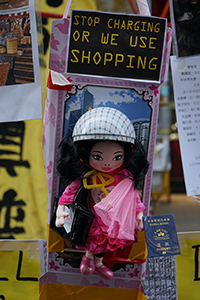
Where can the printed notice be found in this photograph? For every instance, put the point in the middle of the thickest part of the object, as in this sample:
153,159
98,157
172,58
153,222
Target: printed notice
186,84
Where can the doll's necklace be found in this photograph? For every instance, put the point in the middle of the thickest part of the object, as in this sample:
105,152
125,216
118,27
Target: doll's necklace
101,177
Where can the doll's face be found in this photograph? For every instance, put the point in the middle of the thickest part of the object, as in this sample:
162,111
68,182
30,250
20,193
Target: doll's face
106,156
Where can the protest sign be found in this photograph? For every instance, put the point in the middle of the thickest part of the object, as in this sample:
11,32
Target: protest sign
116,45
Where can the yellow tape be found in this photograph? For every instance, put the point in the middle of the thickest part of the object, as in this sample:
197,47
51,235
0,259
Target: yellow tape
17,245
139,250
52,291
54,242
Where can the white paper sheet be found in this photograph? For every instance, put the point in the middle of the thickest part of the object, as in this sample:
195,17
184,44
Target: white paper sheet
22,100
186,84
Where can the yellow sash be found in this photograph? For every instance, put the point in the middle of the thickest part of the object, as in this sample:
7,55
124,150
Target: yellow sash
101,177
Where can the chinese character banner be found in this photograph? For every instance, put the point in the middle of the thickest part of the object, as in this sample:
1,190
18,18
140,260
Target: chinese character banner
23,192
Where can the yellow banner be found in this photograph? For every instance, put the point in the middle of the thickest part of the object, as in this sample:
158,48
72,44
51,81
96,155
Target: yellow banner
188,266
58,6
23,192
19,275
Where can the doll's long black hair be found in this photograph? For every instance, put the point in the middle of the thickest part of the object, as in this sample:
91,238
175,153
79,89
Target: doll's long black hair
73,161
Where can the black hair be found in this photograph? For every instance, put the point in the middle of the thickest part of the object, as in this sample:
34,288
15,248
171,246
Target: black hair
69,166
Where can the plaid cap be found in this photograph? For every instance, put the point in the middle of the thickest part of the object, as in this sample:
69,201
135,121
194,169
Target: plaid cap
104,123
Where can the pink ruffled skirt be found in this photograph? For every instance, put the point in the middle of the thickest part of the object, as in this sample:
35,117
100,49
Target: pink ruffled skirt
114,225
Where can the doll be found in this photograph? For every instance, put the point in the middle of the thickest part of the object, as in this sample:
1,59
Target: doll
104,154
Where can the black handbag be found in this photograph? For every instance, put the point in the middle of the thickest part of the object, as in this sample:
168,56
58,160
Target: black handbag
80,219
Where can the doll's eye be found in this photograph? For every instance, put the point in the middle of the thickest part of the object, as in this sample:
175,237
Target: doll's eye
97,157
118,157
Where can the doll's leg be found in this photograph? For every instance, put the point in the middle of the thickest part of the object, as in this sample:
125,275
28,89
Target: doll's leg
87,266
101,269
89,255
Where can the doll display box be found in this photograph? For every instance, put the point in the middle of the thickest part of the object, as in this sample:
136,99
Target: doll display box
110,60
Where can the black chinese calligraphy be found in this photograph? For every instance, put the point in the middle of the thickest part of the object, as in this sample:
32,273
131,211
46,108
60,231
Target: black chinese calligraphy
160,278
11,146
19,271
54,3
11,210
44,44
18,275
196,263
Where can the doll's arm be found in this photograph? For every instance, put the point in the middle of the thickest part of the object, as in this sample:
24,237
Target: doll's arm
69,193
61,215
66,198
139,220
139,213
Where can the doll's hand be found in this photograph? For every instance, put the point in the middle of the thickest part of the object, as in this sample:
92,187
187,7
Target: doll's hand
139,220
60,216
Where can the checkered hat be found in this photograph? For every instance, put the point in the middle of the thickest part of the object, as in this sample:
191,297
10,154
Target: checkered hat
104,123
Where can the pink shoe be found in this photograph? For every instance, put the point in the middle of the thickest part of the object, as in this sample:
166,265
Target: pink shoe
87,266
104,272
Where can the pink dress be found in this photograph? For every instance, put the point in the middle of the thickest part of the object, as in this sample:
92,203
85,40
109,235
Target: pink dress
114,225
